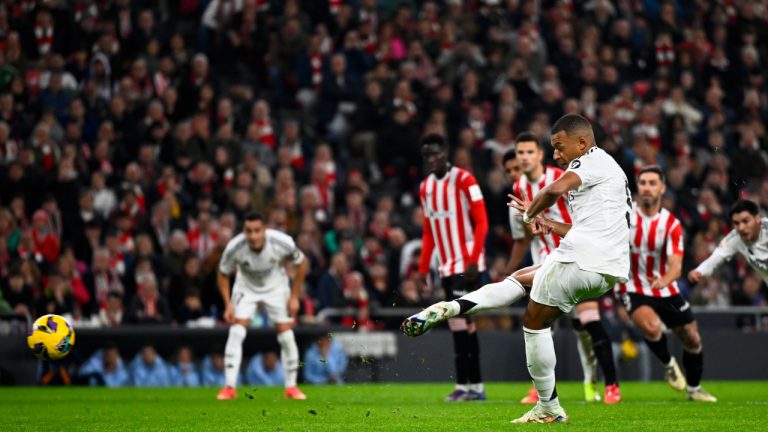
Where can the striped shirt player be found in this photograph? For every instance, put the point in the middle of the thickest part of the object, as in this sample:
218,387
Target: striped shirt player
454,216
455,226
652,240
543,244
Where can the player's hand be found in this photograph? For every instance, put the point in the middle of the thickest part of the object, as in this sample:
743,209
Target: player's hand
694,276
229,314
293,306
471,274
656,284
519,204
541,225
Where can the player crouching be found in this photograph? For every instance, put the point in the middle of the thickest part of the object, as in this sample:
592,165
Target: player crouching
259,255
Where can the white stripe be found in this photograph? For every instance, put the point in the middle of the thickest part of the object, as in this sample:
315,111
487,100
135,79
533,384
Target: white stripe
453,222
432,222
441,207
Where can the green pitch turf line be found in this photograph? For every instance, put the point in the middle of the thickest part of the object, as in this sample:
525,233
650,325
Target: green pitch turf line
743,406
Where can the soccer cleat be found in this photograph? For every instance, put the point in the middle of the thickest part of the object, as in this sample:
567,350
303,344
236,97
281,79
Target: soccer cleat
539,414
612,394
590,394
674,376
700,395
294,393
531,398
422,322
457,395
475,396
227,393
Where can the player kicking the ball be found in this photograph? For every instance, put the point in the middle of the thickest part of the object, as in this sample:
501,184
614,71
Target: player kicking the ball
590,259
259,255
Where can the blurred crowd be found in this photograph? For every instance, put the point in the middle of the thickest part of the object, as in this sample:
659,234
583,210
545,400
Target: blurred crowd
134,135
325,362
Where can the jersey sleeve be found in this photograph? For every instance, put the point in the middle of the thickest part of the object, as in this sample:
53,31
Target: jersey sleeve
229,257
288,249
724,252
675,240
473,191
587,169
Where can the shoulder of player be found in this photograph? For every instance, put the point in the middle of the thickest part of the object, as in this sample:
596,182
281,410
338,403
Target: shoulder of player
731,239
279,238
235,245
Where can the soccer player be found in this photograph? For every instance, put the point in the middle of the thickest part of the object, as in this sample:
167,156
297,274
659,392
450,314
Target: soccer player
455,223
592,340
651,294
589,261
749,238
259,254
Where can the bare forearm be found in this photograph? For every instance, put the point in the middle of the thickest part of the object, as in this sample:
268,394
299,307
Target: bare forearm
542,201
223,281
674,272
298,280
559,228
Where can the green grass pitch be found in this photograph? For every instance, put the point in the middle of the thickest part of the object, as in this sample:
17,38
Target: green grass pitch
394,407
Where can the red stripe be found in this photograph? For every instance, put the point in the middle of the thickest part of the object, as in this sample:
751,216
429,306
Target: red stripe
460,213
622,288
650,259
530,191
652,236
639,232
663,264
635,274
650,263
556,239
438,236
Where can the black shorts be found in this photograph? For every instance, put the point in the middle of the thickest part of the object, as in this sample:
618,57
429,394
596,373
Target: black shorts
674,311
456,286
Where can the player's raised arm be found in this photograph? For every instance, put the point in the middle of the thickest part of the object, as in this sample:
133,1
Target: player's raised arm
550,194
724,252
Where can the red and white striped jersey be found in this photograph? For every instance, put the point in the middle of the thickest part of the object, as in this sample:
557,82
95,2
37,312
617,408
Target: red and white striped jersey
541,245
652,240
453,207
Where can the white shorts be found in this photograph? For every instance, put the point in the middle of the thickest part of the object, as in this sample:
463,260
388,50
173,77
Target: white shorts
275,302
562,285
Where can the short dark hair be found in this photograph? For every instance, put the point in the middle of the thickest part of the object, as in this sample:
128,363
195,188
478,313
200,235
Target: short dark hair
509,155
528,136
253,216
652,169
570,123
743,206
433,139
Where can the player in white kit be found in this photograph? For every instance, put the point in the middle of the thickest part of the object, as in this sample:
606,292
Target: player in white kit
749,238
259,255
593,255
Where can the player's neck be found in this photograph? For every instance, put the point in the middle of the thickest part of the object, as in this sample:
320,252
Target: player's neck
536,175
441,174
650,210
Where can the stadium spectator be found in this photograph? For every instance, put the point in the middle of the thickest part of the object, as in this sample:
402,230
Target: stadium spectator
184,372
18,295
265,369
212,370
325,362
148,306
148,369
105,367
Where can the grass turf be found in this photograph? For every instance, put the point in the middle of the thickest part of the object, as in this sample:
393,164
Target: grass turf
397,407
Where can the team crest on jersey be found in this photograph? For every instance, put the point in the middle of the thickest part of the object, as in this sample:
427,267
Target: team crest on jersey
575,164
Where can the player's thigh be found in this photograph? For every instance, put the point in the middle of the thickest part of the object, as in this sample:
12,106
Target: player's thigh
525,275
276,304
245,303
563,285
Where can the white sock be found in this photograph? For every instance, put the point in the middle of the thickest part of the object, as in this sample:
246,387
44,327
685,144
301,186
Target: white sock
491,296
587,356
233,354
289,357
540,357
477,387
462,387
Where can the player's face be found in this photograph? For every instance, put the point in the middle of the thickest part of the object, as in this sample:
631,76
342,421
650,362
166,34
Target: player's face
530,156
746,225
254,233
435,159
567,148
651,188
513,169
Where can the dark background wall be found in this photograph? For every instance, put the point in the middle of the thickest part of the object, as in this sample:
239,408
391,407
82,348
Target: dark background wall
730,354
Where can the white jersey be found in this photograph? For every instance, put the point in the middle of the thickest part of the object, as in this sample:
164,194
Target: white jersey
598,240
260,271
756,253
